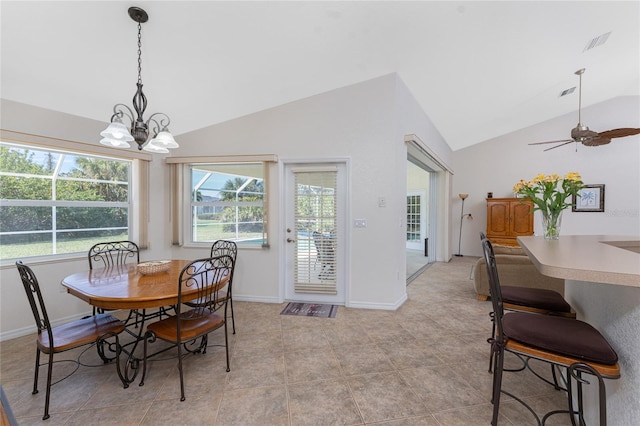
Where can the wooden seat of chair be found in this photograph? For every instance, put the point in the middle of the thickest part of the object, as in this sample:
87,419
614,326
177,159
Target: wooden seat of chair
79,333
190,328
607,371
221,296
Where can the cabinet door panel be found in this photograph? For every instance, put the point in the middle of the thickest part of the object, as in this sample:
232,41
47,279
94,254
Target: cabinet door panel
498,219
522,218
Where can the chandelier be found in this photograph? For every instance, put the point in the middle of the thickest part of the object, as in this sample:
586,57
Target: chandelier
117,134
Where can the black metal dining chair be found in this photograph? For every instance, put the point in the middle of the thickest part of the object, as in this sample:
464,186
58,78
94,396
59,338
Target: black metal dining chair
51,340
229,248
569,345
205,277
221,248
113,254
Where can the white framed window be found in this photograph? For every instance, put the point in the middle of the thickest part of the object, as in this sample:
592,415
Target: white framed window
227,203
224,198
57,202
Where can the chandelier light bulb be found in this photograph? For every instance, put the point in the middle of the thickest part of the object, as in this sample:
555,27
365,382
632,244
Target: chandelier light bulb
164,139
157,149
115,143
117,131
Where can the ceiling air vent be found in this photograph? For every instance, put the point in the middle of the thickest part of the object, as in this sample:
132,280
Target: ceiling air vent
568,91
600,40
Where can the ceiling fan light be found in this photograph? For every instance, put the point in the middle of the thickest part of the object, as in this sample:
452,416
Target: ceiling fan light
165,139
156,149
115,143
117,131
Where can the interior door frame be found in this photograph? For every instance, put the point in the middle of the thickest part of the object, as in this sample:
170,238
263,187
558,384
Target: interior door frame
345,260
440,187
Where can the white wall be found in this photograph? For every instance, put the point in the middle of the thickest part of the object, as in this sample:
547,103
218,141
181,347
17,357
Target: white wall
359,122
496,165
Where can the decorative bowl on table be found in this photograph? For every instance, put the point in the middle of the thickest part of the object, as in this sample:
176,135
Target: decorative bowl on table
154,267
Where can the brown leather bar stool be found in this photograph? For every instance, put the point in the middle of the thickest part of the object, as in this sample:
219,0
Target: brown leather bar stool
532,300
564,343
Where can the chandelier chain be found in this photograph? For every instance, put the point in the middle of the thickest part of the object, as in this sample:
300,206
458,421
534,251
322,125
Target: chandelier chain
139,52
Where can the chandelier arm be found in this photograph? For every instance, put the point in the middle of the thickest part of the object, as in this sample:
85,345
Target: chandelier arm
159,124
122,110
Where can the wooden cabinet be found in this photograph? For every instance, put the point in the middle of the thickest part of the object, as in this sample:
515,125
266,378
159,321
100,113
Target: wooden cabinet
507,219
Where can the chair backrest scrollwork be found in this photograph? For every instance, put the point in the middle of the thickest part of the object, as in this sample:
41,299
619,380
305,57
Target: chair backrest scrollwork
206,276
113,253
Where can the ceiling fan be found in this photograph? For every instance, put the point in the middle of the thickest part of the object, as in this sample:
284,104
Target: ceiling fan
582,134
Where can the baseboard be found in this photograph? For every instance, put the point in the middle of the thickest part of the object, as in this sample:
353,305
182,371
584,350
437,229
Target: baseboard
25,331
258,299
379,306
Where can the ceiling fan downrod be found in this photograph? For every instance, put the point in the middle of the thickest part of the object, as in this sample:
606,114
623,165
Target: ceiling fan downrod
579,73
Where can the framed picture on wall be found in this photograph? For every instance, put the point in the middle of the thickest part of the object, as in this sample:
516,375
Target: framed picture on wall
590,199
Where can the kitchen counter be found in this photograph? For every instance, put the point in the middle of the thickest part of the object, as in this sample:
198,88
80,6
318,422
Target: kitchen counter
610,259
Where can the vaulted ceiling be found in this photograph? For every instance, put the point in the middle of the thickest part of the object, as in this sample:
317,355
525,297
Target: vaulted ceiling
478,69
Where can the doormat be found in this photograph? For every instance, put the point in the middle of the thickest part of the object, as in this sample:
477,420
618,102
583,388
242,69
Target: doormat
310,310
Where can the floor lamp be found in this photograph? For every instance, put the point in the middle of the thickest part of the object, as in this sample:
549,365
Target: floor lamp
462,215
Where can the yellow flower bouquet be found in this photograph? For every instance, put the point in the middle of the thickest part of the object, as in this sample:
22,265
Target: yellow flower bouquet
549,194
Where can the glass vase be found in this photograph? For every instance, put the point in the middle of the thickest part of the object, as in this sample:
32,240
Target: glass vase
551,222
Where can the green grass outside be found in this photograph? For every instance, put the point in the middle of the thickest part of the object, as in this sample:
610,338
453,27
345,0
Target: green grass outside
210,231
81,245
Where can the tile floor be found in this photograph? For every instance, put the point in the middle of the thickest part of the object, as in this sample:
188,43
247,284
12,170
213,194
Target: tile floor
425,364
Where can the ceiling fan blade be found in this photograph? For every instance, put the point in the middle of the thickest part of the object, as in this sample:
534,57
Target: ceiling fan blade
559,141
558,146
596,141
619,133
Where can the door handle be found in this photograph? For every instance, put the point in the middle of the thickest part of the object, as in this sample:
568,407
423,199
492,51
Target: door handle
289,240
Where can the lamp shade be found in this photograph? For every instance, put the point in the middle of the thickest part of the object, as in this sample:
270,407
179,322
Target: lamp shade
164,139
151,147
117,131
115,143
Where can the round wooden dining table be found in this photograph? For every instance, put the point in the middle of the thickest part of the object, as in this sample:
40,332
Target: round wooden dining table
124,287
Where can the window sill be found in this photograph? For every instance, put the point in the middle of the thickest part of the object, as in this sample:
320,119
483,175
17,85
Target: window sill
43,260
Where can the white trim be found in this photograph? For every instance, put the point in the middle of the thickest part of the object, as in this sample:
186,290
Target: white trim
257,158
347,216
417,142
65,144
379,306
257,299
32,329
47,259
